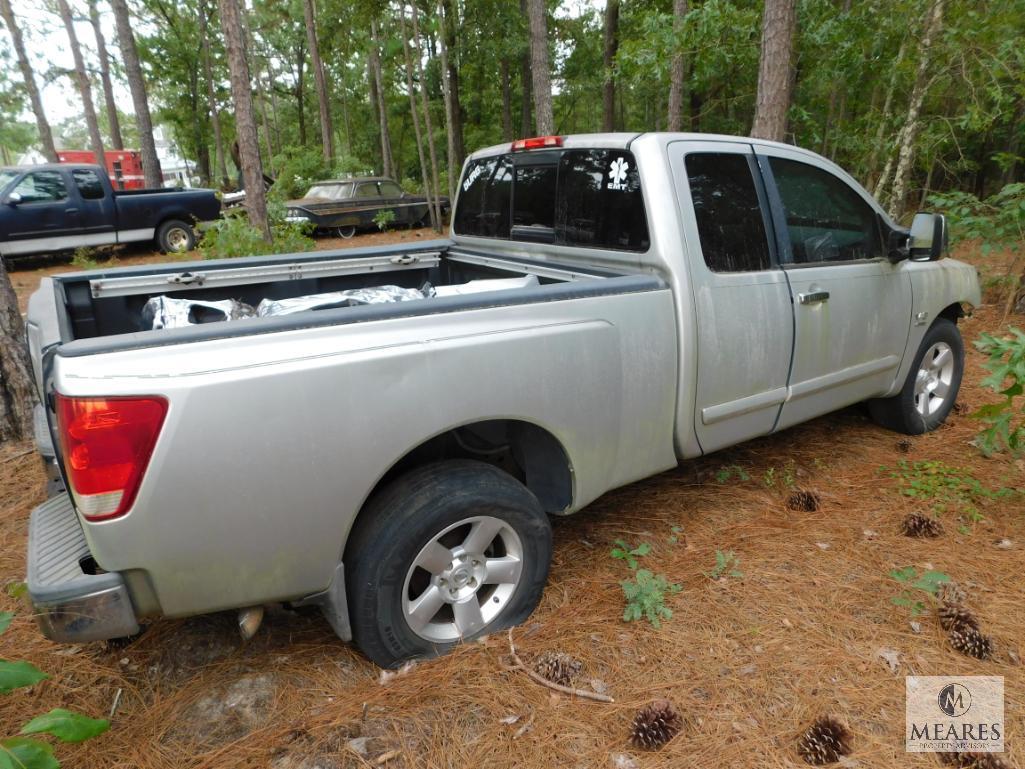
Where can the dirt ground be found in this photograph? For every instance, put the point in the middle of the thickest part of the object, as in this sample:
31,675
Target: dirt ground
750,661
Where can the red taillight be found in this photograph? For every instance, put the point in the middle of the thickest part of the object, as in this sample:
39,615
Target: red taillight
106,444
537,143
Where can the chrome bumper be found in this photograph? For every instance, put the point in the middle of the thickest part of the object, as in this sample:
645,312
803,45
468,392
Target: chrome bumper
71,605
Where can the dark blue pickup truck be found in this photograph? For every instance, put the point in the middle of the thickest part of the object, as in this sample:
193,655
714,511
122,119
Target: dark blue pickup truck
61,207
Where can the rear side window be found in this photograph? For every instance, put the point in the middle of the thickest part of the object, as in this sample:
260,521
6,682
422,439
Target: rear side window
485,197
390,190
827,220
586,198
728,214
368,191
88,183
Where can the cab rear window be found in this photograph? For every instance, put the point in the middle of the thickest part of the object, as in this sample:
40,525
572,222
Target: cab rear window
589,198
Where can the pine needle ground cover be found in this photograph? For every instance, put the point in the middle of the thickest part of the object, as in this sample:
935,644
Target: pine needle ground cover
749,663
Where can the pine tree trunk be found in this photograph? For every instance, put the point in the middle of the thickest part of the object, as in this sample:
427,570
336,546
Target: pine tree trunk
133,71
906,153
245,121
43,126
382,102
446,91
414,111
774,76
113,120
884,119
451,47
527,98
677,71
542,83
326,130
82,80
17,390
506,77
609,62
435,179
211,98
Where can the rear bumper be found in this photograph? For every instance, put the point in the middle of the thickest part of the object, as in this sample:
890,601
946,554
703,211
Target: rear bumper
71,605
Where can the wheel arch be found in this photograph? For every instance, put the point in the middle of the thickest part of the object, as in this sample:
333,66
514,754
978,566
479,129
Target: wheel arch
529,452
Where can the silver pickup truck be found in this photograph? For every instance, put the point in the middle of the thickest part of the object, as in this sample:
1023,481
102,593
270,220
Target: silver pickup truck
383,432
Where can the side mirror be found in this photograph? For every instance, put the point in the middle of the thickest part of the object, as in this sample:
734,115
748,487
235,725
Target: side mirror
928,239
14,199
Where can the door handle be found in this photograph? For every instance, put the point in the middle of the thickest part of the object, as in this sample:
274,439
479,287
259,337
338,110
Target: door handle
813,297
71,210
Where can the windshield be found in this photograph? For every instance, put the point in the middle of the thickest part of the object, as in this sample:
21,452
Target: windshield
6,177
330,191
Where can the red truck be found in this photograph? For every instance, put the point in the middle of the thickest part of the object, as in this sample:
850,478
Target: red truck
124,167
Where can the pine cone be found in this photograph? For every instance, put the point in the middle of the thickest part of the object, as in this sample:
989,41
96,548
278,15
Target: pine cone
557,667
951,593
970,642
918,525
655,724
955,616
825,741
803,501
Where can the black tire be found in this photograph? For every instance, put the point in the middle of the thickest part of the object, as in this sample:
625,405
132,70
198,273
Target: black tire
175,237
411,512
899,413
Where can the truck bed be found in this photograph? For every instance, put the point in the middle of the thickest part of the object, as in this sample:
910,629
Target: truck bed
103,310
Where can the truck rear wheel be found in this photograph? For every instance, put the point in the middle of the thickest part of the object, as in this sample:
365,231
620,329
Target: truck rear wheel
931,387
444,554
175,237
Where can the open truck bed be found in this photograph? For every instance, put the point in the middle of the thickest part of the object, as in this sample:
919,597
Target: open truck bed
102,311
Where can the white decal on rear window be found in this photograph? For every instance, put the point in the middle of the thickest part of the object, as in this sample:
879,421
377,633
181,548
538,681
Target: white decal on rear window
617,173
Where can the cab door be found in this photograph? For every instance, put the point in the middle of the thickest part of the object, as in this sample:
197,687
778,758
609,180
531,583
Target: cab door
43,217
742,302
852,306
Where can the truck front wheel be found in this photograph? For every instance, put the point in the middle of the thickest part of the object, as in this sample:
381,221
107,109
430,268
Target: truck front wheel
444,554
931,387
175,237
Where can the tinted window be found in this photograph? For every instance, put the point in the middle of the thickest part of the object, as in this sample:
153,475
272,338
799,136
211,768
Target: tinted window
41,187
600,202
729,217
580,197
828,221
534,195
391,190
367,191
88,184
485,195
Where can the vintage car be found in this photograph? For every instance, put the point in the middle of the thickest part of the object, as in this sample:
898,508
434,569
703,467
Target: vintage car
341,206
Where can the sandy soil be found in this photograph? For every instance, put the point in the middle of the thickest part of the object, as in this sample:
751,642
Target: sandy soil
750,661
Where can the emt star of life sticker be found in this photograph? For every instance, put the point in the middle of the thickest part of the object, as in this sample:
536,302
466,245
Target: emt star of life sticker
617,173
954,714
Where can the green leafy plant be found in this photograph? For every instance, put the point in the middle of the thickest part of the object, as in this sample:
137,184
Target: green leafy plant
727,473
727,564
624,552
384,219
928,582
998,222
946,488
1005,421
645,597
67,726
84,258
674,534
232,235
